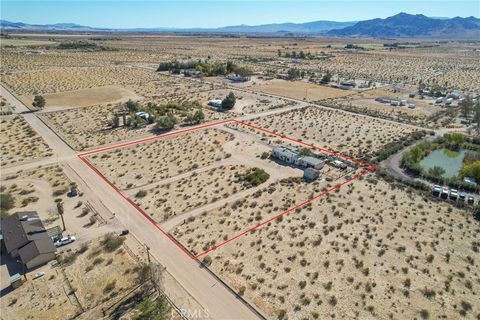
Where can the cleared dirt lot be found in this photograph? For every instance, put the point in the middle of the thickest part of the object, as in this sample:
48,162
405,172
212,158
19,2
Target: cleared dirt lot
85,97
368,250
19,143
300,90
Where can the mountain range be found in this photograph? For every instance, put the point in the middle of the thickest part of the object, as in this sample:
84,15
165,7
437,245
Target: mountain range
402,25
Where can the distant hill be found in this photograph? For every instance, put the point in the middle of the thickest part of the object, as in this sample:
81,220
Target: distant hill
402,25
20,26
407,25
314,27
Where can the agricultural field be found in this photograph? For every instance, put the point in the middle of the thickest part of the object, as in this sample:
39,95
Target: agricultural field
371,249
19,142
145,163
342,132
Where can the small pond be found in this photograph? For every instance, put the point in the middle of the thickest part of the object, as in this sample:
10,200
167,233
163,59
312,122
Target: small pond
450,161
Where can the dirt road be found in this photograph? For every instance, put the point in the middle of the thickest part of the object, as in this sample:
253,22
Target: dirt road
218,302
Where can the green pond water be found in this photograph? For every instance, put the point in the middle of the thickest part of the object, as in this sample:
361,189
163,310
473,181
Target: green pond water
450,161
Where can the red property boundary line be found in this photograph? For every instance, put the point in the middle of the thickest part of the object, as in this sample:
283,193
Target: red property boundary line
369,168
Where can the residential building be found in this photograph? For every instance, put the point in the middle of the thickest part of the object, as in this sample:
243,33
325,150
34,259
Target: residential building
25,237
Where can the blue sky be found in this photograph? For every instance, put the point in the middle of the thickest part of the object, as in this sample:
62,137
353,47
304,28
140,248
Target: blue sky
185,14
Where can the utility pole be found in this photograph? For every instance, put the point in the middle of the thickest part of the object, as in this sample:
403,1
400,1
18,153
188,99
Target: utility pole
60,211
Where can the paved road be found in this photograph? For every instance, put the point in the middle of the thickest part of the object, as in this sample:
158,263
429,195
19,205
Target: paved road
205,288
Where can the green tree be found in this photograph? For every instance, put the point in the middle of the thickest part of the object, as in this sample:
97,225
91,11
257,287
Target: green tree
39,102
466,106
158,309
166,122
327,77
294,73
6,203
115,121
436,171
476,115
454,140
471,170
229,101
132,106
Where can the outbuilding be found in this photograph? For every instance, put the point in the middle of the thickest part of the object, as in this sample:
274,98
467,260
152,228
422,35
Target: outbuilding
311,162
310,174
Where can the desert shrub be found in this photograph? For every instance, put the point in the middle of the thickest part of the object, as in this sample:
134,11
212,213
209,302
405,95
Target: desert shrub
141,194
109,287
112,242
255,177
153,309
6,203
143,273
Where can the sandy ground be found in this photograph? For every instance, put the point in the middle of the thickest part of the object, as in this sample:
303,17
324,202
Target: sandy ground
247,102
19,142
300,90
337,131
145,163
367,251
84,97
69,79
189,193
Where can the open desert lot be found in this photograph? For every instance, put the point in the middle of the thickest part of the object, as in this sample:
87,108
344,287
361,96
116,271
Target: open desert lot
69,79
165,157
166,199
370,250
341,132
20,142
300,90
89,127
85,97
252,206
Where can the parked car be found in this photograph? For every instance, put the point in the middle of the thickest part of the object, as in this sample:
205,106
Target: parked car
462,195
436,190
65,241
444,194
453,194
470,200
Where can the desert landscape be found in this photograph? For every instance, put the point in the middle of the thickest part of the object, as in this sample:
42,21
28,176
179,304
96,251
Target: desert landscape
235,175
